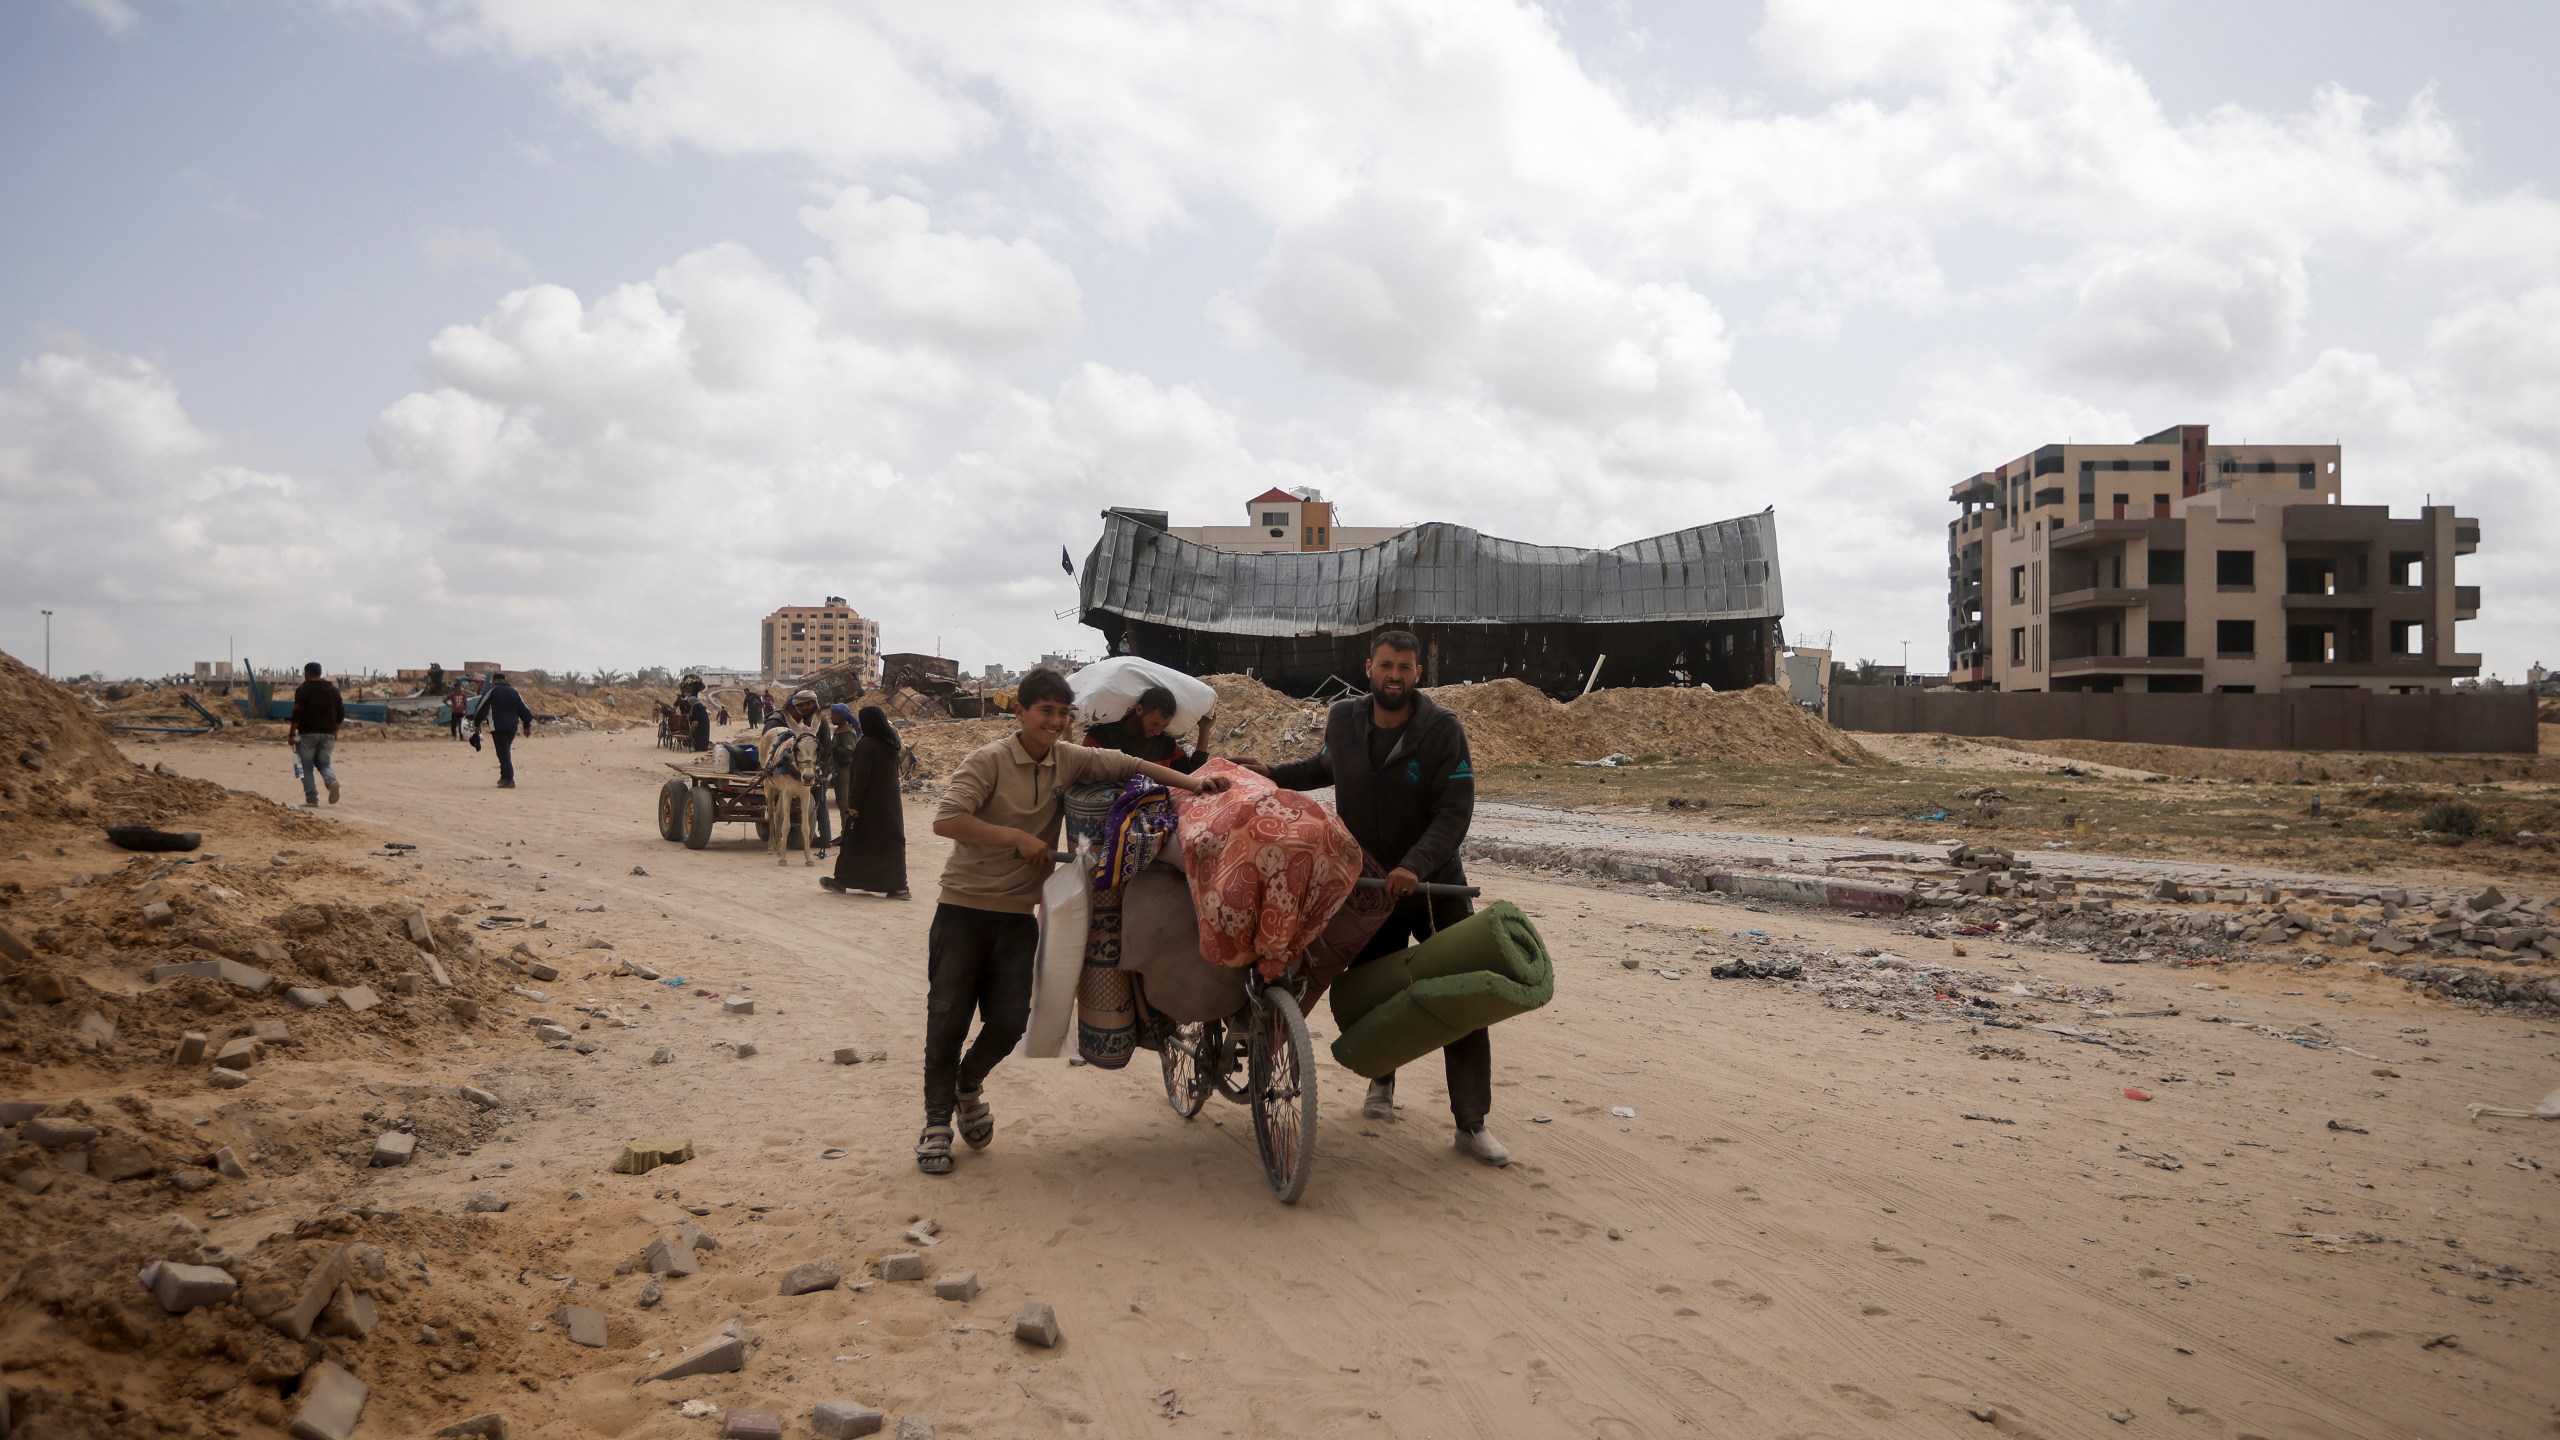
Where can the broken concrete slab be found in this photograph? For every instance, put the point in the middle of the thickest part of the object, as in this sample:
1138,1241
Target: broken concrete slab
116,1158
543,970
670,1257
746,1050
811,1276
97,1029
306,997
584,1325
436,972
963,1286
181,1288
553,1034
191,1048
301,1309
393,1147
845,1420
229,1079
479,1097
492,1426
229,1164
13,1112
54,1132
741,1424
904,1266
332,1400
915,1427
722,1354
421,933
270,1032
639,1157
848,1055
159,913
1037,1325
358,998
350,1314
737,1005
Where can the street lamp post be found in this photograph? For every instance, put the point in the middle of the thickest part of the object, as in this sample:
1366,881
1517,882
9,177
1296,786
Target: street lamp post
48,644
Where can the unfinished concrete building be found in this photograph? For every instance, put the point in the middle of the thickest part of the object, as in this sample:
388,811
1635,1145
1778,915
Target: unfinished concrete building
2174,565
1696,606
799,640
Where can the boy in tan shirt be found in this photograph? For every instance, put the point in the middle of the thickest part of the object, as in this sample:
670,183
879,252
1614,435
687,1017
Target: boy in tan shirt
1001,816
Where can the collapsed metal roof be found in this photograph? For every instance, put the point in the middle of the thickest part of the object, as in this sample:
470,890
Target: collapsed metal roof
1433,574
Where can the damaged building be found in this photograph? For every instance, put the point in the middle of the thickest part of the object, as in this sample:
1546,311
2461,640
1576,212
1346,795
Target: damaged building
1694,607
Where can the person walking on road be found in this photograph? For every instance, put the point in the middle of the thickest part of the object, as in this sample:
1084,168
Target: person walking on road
502,711
874,855
1406,789
318,711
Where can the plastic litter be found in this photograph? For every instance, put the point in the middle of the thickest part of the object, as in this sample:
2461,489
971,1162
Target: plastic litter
1623,1112
2131,1093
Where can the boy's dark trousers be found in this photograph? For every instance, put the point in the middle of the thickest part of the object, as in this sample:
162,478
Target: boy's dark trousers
505,740
1469,1058
977,961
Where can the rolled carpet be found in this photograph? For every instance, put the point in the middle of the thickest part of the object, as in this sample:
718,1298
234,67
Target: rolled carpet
1484,969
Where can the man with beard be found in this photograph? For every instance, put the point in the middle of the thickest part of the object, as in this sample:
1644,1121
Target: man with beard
1405,789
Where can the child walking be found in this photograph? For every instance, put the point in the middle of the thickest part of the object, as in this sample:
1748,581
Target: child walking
1001,816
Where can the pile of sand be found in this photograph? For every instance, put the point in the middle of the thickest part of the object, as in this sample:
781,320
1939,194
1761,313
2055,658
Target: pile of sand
58,763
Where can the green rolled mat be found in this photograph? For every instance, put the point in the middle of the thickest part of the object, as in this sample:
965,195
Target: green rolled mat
1486,968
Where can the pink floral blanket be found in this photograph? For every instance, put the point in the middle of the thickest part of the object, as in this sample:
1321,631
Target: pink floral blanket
1268,869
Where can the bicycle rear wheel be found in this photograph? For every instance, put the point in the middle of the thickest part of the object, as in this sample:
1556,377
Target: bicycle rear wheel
1187,1080
1282,1065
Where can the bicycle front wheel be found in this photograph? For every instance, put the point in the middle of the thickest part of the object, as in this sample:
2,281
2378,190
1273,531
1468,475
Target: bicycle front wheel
1281,1061
1187,1081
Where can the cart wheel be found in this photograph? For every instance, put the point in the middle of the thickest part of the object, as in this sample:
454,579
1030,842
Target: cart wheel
701,813
1187,1082
1224,1058
672,798
1283,1064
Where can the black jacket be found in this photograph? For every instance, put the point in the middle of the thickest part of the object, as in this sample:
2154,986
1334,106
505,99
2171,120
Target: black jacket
503,710
1411,813
317,709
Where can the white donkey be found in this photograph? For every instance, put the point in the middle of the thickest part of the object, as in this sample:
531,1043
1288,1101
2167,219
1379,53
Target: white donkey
790,772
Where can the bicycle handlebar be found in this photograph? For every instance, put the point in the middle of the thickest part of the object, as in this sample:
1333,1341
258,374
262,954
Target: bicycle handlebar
1365,882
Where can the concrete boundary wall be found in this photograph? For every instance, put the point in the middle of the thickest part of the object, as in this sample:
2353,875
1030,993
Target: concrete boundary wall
2442,724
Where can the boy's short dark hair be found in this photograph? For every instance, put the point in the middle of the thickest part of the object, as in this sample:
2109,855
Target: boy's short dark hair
1041,685
1158,699
1403,640
312,670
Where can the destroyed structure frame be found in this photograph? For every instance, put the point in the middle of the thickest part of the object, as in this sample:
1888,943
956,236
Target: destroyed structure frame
1695,606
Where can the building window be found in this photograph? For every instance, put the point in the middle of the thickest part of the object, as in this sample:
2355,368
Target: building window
2168,638
2236,569
2018,646
2051,495
2408,570
2159,507
2408,637
1275,517
2235,638
2120,502
2018,583
2166,567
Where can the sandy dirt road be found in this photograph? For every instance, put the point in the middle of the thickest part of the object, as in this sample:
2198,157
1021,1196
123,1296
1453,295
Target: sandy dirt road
1800,1232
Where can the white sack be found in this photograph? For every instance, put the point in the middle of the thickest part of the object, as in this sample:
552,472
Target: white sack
1106,689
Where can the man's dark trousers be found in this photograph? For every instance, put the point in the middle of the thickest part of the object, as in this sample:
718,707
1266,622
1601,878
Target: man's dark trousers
505,740
1469,1058
978,961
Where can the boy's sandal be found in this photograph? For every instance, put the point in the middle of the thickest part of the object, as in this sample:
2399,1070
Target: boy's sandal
977,1122
933,1150
901,895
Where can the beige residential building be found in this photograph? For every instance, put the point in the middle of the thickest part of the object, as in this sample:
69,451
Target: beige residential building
800,640
2174,565
1282,520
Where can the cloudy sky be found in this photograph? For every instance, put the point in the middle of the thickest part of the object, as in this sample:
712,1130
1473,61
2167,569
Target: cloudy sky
572,333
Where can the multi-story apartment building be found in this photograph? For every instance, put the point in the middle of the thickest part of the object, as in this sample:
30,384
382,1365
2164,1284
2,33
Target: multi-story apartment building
803,639
2176,565
1282,521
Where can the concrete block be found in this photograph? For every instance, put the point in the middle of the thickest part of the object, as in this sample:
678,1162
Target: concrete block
479,1097
268,952
963,1286
229,1164
522,992
670,1257
697,1237
1037,1325
204,969
814,1275
639,1157
421,932
584,1325
638,971
2488,900
191,1048
115,1158
553,1034
492,1426
723,1354
350,1314
905,1265
358,998
159,913
229,1079
393,1147
181,1288
436,972
737,1005
307,998
13,1112
746,1050
245,978
97,1029
751,1425
848,1055
270,1032
2392,945
54,1132
845,1420
294,1319
329,1402
543,970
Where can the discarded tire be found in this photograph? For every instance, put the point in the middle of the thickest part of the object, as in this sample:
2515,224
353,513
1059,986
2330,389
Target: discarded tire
143,837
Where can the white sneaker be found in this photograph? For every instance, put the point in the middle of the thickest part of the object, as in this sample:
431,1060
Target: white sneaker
1381,1104
1480,1143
